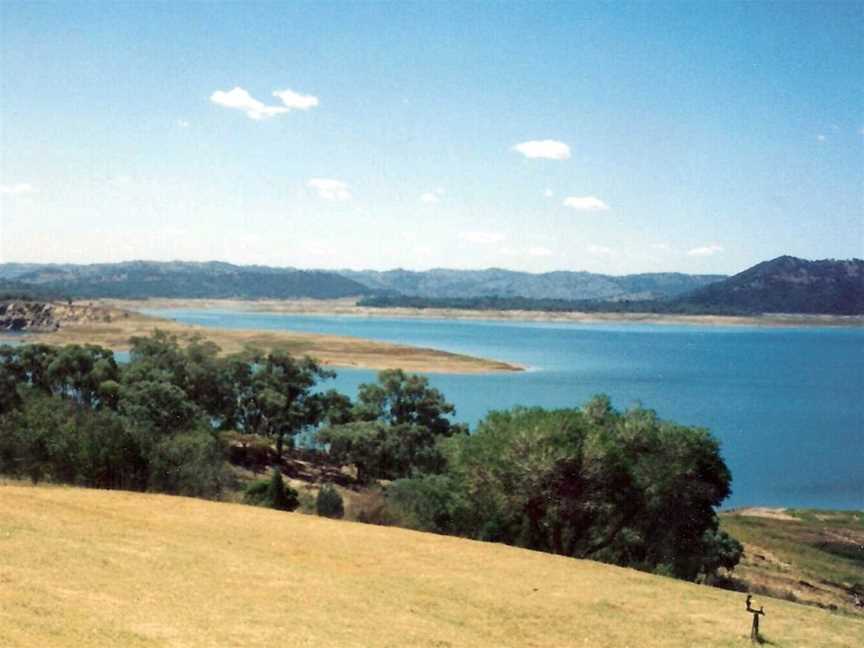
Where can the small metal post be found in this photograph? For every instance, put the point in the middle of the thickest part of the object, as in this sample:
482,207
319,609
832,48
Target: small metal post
754,630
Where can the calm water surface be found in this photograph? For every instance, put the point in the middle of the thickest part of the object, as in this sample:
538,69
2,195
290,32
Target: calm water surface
787,404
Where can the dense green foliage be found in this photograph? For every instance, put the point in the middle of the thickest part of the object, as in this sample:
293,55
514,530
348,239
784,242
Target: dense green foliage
272,493
73,415
394,428
329,502
625,487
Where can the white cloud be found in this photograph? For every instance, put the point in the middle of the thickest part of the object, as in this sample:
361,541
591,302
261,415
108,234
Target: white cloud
821,137
296,100
545,149
17,189
330,189
482,237
430,198
182,123
318,247
508,251
600,250
548,193
538,251
586,203
706,250
660,246
239,99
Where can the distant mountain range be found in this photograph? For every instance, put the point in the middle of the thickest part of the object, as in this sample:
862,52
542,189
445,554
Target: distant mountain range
141,279
495,282
783,285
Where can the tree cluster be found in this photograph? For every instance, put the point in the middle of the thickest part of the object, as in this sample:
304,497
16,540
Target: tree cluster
74,415
626,488
393,430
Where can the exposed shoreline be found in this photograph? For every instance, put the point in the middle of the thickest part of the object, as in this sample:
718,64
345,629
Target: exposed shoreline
349,306
111,326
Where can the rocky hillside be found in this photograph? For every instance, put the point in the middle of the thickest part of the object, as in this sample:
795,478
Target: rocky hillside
20,316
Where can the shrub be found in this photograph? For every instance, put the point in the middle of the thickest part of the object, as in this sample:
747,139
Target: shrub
191,464
272,493
256,492
329,502
280,496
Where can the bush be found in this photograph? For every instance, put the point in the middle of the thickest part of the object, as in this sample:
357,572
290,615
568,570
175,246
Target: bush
281,497
425,502
192,464
329,502
256,492
272,493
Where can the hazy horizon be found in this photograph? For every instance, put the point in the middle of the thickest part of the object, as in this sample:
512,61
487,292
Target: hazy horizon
618,139
391,269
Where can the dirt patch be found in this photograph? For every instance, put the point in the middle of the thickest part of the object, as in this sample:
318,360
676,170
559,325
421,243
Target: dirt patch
765,512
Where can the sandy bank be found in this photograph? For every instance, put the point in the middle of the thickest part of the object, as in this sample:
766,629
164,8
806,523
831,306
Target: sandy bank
349,306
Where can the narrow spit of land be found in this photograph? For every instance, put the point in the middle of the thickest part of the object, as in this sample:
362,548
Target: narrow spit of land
348,306
111,325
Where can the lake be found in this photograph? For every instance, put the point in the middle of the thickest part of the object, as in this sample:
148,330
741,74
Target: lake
786,403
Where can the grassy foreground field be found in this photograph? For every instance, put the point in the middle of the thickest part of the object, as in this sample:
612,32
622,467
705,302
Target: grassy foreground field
104,568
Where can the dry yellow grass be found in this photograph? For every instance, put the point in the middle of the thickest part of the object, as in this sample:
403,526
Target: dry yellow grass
88,568
112,327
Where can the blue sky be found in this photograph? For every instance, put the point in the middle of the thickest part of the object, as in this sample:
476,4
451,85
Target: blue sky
694,137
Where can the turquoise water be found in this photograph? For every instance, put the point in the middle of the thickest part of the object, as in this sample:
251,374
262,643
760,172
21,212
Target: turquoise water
786,403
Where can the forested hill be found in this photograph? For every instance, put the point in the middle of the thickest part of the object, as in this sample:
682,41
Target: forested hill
786,285
783,285
140,279
561,285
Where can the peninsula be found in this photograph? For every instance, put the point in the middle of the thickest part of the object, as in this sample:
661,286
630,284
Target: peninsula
111,326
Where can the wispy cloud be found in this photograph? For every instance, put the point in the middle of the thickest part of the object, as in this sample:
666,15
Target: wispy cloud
585,203
482,237
544,149
706,250
548,193
239,99
820,137
539,251
296,100
432,197
182,123
600,250
330,189
17,189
